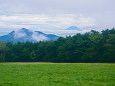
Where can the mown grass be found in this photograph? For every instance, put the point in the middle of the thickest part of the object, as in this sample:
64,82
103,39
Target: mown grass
45,74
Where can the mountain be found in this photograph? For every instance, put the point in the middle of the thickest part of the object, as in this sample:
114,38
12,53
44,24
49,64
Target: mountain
24,35
74,28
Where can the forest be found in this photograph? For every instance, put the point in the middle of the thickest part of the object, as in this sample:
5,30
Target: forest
90,47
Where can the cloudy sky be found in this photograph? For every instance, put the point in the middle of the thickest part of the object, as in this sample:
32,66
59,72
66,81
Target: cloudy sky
56,14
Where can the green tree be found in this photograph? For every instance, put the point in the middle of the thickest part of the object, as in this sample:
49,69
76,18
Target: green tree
32,55
109,51
3,49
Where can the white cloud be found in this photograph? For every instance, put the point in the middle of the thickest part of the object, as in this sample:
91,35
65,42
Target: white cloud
19,26
64,33
102,12
19,34
2,24
38,37
3,33
45,21
54,24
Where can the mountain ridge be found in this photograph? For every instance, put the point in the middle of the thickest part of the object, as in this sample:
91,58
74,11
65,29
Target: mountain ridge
23,35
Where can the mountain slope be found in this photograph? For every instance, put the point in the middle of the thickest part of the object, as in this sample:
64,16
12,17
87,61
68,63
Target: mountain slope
24,35
74,28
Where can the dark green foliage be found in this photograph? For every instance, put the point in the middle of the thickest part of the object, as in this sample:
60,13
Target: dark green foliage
92,46
3,49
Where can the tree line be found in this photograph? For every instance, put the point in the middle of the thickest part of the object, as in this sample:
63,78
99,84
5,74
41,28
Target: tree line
91,46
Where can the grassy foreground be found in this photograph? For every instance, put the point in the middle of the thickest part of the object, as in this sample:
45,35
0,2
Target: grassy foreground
62,74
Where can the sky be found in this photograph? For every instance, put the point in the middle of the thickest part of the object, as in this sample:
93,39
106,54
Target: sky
54,15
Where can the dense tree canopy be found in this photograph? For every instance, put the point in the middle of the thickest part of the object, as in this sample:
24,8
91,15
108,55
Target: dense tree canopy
3,49
92,46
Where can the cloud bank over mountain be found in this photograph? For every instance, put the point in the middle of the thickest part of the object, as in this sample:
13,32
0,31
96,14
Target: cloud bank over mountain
45,21
24,35
72,30
56,14
39,37
19,34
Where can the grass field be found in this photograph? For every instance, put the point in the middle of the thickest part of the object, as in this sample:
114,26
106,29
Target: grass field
57,74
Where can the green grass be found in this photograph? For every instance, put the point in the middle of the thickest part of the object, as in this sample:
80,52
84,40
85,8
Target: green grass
46,74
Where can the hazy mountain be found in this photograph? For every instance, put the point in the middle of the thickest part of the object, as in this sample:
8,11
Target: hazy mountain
24,35
74,28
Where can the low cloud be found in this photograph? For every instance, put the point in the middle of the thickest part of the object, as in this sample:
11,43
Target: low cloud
3,33
64,33
19,34
38,37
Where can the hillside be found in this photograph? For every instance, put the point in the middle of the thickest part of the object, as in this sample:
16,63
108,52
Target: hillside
24,35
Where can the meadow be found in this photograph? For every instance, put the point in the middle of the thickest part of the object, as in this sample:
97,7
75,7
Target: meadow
57,74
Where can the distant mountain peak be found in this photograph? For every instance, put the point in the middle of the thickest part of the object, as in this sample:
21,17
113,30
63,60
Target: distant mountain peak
24,30
73,28
24,35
